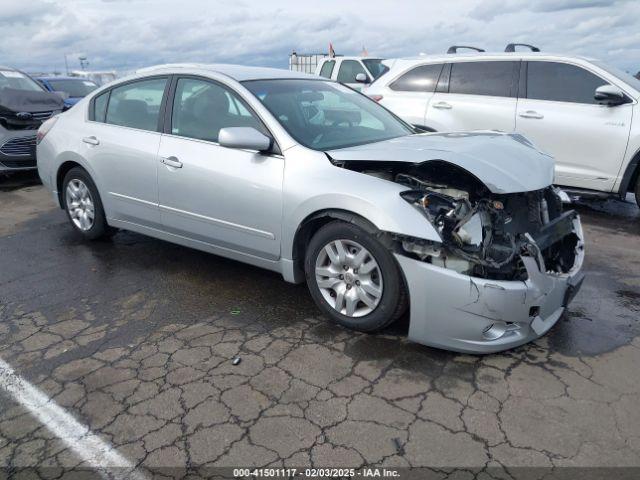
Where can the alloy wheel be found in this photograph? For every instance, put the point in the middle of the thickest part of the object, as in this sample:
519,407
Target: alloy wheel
349,278
80,204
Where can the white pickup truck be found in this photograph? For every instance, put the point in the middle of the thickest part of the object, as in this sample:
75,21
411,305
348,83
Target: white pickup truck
352,71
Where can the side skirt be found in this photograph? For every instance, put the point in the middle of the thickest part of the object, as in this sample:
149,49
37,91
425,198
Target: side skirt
273,265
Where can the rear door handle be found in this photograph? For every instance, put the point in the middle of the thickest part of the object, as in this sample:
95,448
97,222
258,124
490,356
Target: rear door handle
171,162
531,114
91,140
443,105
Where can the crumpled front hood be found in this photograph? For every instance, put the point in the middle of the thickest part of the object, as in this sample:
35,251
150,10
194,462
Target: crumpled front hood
29,101
505,163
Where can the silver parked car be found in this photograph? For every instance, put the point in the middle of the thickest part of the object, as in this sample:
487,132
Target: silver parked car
304,176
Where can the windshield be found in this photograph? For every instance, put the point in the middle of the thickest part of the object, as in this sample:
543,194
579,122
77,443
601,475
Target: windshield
376,67
326,115
18,80
624,76
73,87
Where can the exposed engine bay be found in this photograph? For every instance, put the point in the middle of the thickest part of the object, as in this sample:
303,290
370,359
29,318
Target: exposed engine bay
483,234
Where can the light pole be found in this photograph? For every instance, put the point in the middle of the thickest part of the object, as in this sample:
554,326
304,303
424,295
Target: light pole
83,61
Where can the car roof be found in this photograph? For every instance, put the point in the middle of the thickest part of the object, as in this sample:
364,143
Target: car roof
2,67
447,57
60,77
237,72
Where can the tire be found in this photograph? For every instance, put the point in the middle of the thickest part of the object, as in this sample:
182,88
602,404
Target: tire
342,288
637,190
86,203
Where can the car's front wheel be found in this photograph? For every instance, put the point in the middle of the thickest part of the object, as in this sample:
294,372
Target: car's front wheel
83,205
353,278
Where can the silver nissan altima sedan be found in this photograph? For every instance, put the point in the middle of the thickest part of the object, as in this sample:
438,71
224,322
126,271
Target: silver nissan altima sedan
309,178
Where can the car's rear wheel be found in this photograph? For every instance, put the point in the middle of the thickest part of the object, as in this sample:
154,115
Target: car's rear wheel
637,191
83,205
353,278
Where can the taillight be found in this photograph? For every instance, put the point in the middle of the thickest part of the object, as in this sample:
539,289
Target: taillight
377,98
45,128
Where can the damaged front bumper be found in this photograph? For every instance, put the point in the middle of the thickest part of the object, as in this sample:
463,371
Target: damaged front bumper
475,315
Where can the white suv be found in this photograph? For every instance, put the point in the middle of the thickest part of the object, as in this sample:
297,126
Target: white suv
581,111
355,72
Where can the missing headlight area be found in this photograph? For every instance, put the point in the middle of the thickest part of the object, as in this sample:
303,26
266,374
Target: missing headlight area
483,234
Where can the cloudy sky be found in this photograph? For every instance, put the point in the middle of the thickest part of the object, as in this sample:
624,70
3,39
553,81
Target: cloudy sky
128,34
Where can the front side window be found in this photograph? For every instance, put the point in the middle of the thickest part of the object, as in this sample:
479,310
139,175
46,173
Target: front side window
326,115
327,68
420,79
561,82
376,67
201,108
482,78
136,104
348,71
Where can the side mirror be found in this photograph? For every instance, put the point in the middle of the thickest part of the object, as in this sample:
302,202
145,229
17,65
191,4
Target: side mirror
362,78
610,95
245,138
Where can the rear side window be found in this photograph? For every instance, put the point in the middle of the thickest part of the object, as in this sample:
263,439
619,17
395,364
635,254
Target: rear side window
327,68
348,71
561,82
100,107
137,104
482,78
420,79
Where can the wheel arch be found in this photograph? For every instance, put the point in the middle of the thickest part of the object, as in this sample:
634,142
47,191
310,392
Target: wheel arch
630,176
372,207
316,220
63,169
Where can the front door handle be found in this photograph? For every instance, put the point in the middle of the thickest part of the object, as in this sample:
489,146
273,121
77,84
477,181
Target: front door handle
443,105
531,114
171,162
91,140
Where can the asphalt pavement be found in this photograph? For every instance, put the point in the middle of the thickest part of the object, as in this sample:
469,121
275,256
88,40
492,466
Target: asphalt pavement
134,339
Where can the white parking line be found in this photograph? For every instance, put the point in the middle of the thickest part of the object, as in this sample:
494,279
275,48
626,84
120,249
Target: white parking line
95,453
